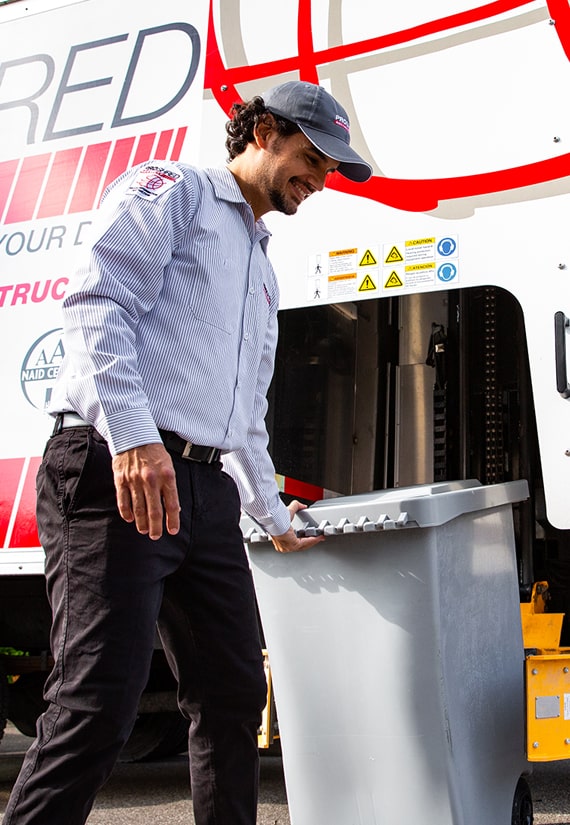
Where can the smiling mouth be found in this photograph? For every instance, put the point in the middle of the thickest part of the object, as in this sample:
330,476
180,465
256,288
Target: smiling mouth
303,190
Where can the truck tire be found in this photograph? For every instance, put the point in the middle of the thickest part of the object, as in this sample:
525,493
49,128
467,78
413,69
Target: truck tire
522,804
27,701
156,735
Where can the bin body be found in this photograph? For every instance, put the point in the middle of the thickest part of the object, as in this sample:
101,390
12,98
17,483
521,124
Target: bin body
397,664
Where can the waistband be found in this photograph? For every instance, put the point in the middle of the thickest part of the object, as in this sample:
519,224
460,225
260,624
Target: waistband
172,441
189,450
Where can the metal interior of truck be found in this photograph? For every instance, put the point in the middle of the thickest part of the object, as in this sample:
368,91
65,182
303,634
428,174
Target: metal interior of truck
410,390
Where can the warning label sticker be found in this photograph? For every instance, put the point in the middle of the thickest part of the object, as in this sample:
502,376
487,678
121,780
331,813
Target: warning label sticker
427,262
342,286
342,260
421,249
423,262
394,256
420,274
368,259
367,285
393,280
343,274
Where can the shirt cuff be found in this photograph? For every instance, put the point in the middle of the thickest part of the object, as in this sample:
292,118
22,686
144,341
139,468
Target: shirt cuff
278,523
128,429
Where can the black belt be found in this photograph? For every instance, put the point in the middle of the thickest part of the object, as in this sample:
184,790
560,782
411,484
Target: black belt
193,452
172,441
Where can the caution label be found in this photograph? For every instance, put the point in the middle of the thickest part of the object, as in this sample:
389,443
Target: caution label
419,262
342,286
393,281
368,259
420,275
342,260
367,284
394,256
420,249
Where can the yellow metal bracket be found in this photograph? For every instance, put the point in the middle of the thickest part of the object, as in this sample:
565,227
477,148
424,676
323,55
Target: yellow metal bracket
268,732
547,679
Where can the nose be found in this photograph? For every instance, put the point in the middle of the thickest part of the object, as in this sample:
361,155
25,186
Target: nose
321,181
320,178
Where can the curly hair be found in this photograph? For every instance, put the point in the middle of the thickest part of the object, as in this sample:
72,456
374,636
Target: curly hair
244,119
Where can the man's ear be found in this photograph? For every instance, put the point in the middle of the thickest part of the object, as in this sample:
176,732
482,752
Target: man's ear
265,126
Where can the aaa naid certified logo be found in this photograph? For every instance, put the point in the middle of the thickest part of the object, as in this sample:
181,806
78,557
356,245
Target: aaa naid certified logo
40,368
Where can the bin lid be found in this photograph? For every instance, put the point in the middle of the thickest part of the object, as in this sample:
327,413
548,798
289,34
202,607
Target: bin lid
422,505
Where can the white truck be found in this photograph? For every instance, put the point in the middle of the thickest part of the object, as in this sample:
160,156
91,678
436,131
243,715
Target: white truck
424,313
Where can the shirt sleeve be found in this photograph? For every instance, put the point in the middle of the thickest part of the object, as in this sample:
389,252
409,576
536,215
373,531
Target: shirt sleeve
251,467
137,233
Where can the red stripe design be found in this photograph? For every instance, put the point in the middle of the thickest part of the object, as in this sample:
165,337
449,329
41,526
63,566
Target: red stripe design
144,148
89,179
7,172
11,470
178,143
59,183
307,64
25,533
119,160
23,203
80,189
163,144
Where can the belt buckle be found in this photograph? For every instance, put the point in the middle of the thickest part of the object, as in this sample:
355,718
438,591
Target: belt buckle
204,455
187,450
211,455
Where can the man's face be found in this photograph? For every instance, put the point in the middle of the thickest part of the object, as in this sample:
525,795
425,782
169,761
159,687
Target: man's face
293,169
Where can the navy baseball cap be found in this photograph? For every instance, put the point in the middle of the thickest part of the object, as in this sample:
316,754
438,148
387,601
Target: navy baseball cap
322,119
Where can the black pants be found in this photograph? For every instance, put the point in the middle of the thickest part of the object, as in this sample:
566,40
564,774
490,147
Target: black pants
109,587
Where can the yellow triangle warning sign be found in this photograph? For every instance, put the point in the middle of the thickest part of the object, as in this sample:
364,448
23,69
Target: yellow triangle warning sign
394,256
393,280
367,284
368,259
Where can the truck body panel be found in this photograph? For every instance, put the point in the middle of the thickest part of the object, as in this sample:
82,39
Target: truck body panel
424,313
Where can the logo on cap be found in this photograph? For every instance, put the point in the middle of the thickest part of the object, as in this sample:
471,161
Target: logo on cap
342,121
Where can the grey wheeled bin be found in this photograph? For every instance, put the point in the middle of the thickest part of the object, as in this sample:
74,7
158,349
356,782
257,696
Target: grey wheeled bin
397,658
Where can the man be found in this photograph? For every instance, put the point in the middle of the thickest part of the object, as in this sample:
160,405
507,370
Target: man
170,335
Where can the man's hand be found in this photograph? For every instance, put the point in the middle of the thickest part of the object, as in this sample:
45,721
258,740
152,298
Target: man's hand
146,489
288,542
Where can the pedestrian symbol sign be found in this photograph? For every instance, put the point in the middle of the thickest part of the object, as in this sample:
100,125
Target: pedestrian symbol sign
394,256
368,259
367,284
393,280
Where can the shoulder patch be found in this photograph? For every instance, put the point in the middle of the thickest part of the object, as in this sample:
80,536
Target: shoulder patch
153,180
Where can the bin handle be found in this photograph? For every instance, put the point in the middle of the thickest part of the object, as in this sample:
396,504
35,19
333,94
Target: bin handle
561,322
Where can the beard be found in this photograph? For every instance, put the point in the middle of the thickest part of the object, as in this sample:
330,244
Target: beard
280,203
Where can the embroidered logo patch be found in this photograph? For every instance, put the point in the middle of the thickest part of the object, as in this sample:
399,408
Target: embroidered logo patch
342,121
153,180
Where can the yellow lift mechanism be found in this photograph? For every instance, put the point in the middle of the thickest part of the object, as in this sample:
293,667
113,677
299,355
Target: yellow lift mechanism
547,679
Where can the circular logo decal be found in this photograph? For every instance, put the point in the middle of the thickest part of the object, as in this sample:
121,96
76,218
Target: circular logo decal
40,368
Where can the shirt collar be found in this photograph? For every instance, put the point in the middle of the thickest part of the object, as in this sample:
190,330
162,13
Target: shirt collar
227,189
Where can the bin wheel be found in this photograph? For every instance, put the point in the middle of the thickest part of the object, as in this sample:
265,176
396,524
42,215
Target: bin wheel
522,804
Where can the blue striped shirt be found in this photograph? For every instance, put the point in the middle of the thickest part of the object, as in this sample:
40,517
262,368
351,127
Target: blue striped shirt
172,324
